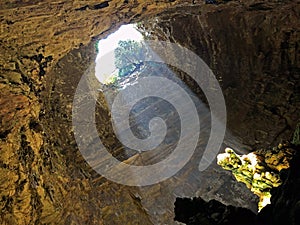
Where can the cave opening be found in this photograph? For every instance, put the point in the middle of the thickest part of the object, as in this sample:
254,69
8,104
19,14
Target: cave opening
214,183
126,45
252,47
115,79
106,70
161,28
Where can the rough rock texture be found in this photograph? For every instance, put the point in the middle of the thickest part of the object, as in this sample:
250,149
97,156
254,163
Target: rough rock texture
38,184
196,211
253,47
283,210
259,171
157,200
43,177
285,199
255,56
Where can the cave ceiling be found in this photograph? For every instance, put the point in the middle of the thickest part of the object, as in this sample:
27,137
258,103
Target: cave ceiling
46,46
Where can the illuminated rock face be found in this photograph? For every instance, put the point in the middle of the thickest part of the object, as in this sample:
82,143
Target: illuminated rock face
43,177
260,172
285,198
40,180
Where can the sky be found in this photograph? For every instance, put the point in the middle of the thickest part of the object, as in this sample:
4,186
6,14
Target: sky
105,64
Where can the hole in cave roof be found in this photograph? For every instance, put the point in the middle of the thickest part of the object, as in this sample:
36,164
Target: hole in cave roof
105,61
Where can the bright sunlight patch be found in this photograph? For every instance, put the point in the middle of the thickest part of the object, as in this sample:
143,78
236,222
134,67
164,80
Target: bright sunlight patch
106,70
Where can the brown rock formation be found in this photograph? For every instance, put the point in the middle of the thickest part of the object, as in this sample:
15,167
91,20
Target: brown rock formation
37,185
283,210
43,178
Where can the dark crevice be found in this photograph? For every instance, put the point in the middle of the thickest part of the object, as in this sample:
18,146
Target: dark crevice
101,5
24,78
26,154
20,186
34,125
214,2
9,22
4,134
37,58
8,202
197,211
82,8
259,6
27,80
94,7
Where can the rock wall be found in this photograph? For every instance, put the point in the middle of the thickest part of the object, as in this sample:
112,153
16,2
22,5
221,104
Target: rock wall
41,170
36,183
253,49
283,210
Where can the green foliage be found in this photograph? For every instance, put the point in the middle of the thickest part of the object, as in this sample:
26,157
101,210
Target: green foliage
251,170
111,80
129,57
97,47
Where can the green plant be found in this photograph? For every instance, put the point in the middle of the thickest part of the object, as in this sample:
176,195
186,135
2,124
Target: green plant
129,57
252,171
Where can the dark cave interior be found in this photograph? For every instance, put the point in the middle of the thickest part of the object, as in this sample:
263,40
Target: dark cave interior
252,48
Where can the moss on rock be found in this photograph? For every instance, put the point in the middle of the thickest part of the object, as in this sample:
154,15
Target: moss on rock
258,170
